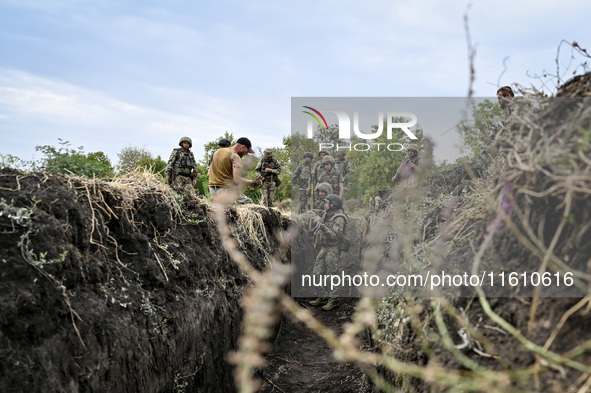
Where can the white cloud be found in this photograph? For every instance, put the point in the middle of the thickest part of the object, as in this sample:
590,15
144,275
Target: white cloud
100,122
106,74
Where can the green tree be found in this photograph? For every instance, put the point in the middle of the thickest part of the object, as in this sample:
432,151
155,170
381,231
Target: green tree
130,157
202,184
12,161
373,170
477,129
135,157
155,165
64,159
298,144
211,147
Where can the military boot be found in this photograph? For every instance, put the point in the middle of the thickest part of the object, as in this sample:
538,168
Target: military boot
332,303
317,302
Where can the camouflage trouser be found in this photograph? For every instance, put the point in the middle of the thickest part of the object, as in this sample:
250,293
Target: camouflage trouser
327,262
346,187
268,193
408,182
183,182
232,195
303,194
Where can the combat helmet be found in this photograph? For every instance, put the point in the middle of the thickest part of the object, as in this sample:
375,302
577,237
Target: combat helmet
322,151
186,139
414,147
335,201
308,154
224,143
326,187
268,152
326,159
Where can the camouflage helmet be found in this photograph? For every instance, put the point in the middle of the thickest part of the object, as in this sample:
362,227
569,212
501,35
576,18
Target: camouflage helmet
341,153
335,201
186,139
268,152
322,151
414,147
308,154
326,187
329,159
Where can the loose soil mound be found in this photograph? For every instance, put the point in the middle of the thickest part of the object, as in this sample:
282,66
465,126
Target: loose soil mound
118,285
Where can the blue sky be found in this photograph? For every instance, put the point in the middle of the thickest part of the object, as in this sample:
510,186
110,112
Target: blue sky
107,74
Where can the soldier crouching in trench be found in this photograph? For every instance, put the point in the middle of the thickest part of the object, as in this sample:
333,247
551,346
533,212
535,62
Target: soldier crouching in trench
181,171
327,236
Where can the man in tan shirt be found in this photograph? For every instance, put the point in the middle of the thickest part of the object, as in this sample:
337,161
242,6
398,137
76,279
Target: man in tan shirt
225,172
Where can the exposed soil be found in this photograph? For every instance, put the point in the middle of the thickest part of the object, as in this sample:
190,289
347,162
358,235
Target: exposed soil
302,362
107,286
143,299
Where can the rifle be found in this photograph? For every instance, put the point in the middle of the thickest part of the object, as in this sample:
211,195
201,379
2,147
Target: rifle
319,225
277,180
171,176
307,193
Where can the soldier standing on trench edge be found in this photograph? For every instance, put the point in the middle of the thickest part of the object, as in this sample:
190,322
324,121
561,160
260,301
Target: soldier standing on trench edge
268,169
181,170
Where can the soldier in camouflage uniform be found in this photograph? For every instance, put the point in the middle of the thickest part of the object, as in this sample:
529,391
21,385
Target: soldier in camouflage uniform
327,237
181,171
301,181
510,105
270,169
323,190
331,176
505,96
409,165
317,169
343,166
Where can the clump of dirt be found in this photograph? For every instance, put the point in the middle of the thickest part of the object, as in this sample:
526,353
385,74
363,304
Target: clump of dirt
118,285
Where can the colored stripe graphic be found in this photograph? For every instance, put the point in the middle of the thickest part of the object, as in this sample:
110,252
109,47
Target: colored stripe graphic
319,114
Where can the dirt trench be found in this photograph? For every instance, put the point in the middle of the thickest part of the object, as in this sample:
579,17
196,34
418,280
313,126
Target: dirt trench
119,286
301,361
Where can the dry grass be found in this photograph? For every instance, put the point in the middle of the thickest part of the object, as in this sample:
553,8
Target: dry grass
543,172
